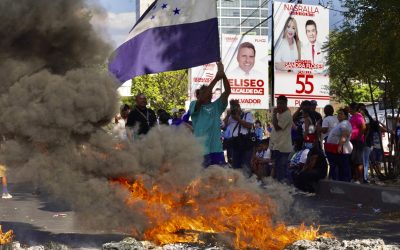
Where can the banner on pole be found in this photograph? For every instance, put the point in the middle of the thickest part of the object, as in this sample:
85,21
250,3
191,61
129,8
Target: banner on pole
246,65
300,68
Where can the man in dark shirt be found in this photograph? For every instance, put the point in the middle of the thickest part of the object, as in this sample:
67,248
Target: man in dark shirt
141,118
314,170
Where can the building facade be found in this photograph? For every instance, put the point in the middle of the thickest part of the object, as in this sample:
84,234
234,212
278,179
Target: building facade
234,16
242,17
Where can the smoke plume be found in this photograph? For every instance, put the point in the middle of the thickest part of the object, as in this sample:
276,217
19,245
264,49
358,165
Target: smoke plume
55,97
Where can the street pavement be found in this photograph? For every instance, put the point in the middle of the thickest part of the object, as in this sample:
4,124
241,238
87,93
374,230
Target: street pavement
36,221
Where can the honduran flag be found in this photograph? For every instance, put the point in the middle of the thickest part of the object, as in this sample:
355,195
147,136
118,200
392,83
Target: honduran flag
170,35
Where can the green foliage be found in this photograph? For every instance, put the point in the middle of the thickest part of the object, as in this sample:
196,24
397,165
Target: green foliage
263,115
366,50
166,90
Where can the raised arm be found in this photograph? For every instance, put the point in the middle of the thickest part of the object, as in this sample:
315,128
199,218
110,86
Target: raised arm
205,93
227,86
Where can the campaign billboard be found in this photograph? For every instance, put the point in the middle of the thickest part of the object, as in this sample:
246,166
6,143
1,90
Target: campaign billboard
300,67
246,65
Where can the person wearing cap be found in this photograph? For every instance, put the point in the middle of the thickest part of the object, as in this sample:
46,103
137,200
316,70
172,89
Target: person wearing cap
314,105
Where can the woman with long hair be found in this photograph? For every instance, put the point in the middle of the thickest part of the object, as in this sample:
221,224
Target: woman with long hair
289,48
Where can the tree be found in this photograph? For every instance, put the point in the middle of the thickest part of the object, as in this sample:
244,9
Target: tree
366,50
167,90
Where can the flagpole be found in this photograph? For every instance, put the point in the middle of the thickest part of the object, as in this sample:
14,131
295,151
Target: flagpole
272,59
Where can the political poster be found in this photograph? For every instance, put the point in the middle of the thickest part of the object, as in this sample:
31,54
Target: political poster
246,65
300,67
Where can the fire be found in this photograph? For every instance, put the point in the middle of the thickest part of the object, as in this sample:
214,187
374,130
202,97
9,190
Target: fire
6,238
243,217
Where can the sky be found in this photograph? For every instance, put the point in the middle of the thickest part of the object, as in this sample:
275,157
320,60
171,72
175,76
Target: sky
121,17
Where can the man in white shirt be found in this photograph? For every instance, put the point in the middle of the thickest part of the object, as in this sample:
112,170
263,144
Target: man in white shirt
246,59
281,139
312,50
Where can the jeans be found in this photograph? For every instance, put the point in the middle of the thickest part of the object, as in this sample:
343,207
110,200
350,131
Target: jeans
217,158
281,164
339,166
241,158
366,153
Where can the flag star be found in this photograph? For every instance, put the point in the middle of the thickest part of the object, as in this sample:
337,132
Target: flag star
164,6
155,6
152,17
176,11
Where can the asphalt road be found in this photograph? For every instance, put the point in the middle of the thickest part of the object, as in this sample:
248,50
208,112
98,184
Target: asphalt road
36,221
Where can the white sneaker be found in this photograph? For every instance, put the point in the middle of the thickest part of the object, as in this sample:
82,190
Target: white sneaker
6,196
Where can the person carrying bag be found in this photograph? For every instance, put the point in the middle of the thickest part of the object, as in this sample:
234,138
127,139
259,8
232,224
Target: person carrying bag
243,137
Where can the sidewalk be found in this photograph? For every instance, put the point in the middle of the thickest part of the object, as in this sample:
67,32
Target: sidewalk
372,195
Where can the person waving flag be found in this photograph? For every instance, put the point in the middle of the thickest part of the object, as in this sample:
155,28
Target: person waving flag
170,35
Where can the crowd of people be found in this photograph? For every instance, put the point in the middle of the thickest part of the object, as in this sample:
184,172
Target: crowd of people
295,148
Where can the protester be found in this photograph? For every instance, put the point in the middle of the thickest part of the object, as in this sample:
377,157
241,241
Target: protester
269,128
120,122
227,135
140,119
373,150
318,118
314,170
206,118
298,159
164,118
281,141
125,109
298,120
5,194
338,148
396,133
240,123
313,107
309,129
261,163
329,122
376,156
357,139
259,130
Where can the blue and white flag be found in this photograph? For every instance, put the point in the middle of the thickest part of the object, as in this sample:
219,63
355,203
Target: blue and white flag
170,35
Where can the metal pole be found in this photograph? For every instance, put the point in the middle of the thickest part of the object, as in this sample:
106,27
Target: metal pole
272,59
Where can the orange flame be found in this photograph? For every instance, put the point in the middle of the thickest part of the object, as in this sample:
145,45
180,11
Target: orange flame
6,238
235,214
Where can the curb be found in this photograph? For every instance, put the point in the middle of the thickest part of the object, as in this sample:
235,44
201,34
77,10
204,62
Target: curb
376,196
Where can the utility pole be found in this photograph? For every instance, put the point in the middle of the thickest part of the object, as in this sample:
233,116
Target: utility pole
272,60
